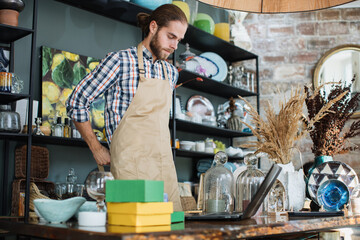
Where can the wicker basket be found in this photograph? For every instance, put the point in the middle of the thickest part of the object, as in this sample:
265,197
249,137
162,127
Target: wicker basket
18,196
39,162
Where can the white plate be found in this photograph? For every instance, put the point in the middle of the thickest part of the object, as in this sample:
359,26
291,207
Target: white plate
200,105
219,62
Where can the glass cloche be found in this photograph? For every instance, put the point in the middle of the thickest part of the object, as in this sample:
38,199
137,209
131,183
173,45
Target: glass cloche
248,182
218,187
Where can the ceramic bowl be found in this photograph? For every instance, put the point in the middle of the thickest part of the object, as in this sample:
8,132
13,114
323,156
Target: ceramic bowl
153,4
57,211
333,195
88,206
187,145
205,22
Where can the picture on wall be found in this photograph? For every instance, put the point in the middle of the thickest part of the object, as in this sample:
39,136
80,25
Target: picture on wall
61,72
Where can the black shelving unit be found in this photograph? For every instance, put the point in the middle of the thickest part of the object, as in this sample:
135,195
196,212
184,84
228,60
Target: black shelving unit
126,12
9,35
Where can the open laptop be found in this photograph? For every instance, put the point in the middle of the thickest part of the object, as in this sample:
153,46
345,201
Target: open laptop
253,206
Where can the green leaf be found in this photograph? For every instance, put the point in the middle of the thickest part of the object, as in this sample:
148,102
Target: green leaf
63,74
79,73
46,60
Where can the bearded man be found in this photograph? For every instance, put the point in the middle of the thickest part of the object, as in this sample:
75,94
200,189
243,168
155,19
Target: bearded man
137,84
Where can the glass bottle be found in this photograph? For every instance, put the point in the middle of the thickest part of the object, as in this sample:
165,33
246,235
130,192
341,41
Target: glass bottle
9,120
71,179
67,128
58,128
248,182
74,131
219,187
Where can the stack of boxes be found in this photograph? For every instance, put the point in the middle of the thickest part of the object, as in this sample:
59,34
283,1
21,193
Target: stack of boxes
138,206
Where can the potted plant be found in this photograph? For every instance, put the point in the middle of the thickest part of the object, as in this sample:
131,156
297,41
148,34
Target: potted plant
9,11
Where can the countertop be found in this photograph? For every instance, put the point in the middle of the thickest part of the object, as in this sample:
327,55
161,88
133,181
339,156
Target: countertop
251,228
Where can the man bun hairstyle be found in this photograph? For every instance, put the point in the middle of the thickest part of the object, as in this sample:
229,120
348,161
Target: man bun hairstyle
162,16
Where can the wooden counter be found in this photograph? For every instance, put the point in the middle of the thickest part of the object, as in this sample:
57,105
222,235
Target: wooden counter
252,228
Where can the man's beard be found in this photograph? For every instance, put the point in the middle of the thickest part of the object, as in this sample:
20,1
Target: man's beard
156,48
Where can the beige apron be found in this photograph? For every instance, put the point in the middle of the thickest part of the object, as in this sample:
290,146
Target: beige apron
140,146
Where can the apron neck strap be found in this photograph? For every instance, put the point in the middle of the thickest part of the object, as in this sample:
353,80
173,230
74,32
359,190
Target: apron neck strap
141,63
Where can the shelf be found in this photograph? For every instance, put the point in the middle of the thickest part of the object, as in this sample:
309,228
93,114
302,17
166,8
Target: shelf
206,42
208,130
13,136
118,10
10,34
211,86
76,142
11,97
126,12
194,154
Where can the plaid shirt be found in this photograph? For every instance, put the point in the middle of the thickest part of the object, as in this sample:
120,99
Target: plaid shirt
117,77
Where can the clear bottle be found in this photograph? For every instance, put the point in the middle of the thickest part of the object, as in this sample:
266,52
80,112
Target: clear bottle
248,182
218,187
58,128
71,179
74,131
67,128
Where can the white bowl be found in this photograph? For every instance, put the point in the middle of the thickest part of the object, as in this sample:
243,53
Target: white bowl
88,206
187,145
92,219
57,211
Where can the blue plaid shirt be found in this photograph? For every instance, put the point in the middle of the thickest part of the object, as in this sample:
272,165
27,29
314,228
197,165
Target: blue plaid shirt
117,77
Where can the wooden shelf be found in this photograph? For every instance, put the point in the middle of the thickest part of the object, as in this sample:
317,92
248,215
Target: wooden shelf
214,87
10,34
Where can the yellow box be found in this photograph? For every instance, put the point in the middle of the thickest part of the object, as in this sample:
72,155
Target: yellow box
139,220
128,229
140,208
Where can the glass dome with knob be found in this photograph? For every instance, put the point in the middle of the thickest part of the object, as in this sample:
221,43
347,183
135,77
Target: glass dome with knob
248,182
218,187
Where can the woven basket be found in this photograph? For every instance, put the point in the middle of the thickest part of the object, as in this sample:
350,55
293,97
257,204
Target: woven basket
39,162
18,189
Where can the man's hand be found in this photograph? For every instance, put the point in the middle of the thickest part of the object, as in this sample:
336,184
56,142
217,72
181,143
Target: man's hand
100,153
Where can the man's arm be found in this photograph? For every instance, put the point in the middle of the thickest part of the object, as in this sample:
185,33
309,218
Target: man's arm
100,153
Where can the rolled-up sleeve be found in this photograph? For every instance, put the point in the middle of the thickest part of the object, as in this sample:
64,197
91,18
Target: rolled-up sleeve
92,86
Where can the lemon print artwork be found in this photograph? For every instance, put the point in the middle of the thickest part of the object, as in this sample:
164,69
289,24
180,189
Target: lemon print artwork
61,72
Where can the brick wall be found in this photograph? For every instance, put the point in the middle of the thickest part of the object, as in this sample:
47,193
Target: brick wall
290,45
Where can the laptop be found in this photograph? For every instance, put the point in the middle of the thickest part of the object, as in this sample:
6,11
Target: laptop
253,206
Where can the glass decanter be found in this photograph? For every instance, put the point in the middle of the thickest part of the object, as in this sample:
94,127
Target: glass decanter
247,183
95,187
218,187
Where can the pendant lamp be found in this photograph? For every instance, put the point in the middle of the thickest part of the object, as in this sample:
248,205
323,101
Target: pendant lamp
275,6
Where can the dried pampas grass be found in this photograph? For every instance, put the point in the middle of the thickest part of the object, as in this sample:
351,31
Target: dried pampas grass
278,132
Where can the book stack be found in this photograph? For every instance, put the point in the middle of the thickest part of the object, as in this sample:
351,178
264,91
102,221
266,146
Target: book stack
138,206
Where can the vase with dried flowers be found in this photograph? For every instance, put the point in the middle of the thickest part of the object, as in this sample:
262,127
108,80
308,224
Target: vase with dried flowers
278,132
327,136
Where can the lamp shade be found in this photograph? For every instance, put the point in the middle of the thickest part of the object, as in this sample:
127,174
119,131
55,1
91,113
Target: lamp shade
275,6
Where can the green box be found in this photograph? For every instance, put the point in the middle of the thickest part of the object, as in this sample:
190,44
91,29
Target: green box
177,217
134,191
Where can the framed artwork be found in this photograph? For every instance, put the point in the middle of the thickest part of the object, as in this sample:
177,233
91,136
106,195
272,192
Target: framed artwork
61,72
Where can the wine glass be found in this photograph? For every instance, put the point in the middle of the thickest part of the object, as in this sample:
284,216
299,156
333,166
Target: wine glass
95,187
